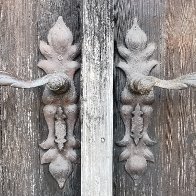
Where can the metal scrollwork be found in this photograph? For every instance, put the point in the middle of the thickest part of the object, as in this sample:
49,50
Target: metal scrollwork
60,99
137,98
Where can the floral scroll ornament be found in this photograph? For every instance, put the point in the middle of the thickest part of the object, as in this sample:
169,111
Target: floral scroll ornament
137,98
60,99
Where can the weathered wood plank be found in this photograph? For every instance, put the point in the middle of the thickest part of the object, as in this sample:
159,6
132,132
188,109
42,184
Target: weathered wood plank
22,123
177,124
97,98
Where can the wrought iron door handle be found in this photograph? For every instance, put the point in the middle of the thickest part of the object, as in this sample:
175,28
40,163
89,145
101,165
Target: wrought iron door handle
142,84
60,99
137,98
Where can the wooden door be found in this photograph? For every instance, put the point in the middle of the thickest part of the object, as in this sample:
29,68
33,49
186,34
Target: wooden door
171,25
23,127
102,24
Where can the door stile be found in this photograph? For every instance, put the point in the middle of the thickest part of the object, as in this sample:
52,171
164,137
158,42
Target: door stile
97,98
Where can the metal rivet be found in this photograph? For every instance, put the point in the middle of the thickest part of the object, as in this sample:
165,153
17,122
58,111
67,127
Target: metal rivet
102,139
60,57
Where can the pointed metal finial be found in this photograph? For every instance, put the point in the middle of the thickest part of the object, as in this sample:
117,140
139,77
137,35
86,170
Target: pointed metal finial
135,21
136,38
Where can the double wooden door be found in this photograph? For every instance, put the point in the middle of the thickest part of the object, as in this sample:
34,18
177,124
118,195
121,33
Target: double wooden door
101,24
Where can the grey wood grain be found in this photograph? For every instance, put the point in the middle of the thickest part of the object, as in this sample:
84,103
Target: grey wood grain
23,24
97,98
171,25
20,153
176,124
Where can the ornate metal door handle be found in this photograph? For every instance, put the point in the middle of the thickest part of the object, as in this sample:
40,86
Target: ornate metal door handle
60,99
137,98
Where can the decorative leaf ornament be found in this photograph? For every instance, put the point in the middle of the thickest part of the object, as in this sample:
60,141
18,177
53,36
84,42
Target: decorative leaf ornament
61,109
137,98
60,99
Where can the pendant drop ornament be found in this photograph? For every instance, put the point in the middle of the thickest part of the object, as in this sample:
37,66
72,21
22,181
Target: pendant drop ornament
137,98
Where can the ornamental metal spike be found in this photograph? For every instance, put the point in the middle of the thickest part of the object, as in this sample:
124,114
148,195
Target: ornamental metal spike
137,124
135,38
137,98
